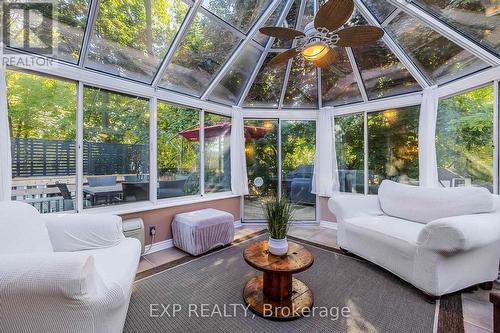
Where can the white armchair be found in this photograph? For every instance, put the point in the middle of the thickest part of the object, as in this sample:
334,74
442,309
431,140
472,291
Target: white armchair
63,273
439,240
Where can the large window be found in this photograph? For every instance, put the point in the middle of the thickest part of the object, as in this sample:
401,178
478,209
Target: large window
298,141
217,153
349,144
393,146
42,121
115,148
178,151
261,149
266,152
464,139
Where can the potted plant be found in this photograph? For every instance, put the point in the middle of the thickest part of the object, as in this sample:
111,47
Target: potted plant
279,213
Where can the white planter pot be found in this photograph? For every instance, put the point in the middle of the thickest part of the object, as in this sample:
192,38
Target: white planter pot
278,247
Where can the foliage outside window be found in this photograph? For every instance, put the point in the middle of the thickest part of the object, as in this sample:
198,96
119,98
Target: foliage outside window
240,14
478,19
205,48
115,148
230,88
42,122
393,146
67,19
298,143
464,139
178,151
266,88
349,144
131,37
261,150
383,74
437,57
217,153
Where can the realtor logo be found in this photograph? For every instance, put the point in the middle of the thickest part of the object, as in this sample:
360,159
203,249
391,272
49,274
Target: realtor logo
28,26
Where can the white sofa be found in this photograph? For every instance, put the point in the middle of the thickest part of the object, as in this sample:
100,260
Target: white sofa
64,273
439,240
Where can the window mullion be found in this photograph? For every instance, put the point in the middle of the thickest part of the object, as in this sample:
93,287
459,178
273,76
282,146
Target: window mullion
496,137
153,150
79,147
365,148
202,152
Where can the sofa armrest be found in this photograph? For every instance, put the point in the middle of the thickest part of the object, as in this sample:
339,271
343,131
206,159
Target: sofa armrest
345,206
54,275
461,233
76,232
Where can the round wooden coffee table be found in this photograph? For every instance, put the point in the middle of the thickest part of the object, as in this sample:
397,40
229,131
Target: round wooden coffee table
276,294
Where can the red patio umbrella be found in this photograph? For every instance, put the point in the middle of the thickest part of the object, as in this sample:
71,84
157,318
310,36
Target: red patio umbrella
214,131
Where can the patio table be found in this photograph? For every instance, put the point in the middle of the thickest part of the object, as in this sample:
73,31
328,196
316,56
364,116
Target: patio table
102,191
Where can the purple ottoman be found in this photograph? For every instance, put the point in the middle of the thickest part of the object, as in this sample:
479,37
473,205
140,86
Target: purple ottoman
202,230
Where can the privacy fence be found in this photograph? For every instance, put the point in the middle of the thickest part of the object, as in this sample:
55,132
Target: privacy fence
39,157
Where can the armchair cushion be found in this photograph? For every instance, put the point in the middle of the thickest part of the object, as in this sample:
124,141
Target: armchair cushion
76,232
55,275
22,229
461,233
424,205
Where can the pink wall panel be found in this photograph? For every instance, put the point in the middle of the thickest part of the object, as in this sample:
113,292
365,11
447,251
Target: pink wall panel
162,218
324,211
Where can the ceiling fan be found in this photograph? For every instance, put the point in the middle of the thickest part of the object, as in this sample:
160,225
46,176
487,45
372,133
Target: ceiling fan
319,38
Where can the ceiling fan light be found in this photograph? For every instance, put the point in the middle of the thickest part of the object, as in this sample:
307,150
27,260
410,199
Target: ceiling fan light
315,51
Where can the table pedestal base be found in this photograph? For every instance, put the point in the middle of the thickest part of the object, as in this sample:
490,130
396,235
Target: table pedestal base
278,299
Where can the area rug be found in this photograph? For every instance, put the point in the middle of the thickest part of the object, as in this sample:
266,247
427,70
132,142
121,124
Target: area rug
205,295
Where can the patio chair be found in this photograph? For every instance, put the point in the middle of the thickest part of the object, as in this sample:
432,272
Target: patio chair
136,178
135,191
95,181
171,188
67,197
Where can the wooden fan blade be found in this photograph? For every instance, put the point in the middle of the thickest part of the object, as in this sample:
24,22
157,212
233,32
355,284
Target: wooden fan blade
283,56
327,60
279,32
359,35
334,14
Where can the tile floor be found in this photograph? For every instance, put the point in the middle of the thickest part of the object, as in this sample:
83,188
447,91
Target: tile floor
477,310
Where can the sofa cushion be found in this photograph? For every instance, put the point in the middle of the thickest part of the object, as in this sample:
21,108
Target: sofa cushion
22,230
387,241
393,227
424,205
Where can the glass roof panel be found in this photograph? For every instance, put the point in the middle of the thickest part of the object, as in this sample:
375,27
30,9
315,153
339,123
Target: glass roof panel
338,83
302,85
290,22
439,58
479,19
271,21
383,75
230,88
205,48
240,14
130,39
60,34
381,9
266,88
308,15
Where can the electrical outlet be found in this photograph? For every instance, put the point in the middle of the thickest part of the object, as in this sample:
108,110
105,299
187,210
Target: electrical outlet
152,230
